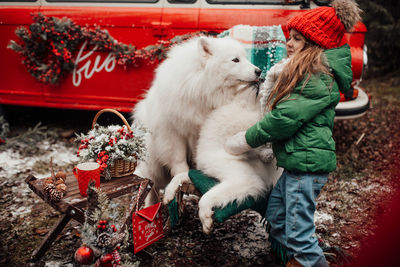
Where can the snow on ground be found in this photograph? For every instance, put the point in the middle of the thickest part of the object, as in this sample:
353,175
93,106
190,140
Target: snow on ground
57,264
321,217
18,203
12,162
242,237
15,167
247,243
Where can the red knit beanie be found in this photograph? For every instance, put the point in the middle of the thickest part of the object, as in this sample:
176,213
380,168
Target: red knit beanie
327,25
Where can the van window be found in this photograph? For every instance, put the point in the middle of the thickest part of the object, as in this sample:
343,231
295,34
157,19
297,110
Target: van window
276,2
182,1
18,0
106,1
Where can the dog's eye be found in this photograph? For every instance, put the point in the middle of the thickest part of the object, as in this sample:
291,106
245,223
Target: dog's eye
236,60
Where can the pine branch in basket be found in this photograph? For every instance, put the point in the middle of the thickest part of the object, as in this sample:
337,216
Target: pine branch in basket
107,145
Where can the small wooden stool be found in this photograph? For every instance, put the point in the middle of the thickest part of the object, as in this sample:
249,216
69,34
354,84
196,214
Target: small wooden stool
73,205
186,188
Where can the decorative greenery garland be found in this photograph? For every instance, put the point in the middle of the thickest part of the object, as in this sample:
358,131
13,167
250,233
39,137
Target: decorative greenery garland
47,48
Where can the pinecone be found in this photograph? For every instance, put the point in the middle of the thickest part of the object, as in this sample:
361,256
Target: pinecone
61,188
55,195
48,187
103,240
55,188
61,175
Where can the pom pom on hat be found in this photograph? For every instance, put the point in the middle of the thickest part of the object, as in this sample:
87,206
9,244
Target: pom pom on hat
348,12
327,25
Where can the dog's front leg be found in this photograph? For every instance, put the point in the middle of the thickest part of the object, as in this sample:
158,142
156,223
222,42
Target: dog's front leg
206,212
179,169
172,187
177,157
221,195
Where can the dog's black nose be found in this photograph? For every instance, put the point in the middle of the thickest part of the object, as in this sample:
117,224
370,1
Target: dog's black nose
258,72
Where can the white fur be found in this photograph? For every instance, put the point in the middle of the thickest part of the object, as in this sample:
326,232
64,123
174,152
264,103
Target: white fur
240,176
197,77
199,98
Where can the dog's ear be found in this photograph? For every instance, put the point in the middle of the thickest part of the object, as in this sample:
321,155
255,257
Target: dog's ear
205,47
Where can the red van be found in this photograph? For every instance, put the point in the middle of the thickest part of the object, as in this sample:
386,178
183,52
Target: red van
98,82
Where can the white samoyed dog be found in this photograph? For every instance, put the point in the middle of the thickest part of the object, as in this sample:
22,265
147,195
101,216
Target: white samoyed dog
197,77
241,176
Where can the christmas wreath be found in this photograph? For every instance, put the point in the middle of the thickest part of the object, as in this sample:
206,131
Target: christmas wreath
47,48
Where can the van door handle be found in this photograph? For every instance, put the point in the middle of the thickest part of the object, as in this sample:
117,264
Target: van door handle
160,29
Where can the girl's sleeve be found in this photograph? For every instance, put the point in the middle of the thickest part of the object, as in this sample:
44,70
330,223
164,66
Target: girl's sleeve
289,115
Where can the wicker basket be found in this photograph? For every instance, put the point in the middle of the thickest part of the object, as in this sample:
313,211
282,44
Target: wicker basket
120,167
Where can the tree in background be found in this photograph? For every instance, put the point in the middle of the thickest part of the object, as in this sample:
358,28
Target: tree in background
382,18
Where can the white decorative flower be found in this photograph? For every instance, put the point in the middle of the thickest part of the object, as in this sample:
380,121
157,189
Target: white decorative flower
108,144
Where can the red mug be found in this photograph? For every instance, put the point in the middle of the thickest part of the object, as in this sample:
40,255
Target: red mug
84,172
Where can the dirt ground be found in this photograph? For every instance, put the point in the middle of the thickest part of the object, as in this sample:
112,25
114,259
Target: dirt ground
359,191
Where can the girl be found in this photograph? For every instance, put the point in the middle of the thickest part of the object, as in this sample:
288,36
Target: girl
299,125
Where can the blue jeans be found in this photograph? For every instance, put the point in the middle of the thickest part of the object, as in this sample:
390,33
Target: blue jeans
290,213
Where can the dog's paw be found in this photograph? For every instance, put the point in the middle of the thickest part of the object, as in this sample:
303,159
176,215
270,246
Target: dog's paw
173,186
169,194
206,221
205,215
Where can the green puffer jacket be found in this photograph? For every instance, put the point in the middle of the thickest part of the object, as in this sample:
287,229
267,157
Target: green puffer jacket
300,128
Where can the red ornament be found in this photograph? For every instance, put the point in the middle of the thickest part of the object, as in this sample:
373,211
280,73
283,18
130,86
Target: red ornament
105,261
84,255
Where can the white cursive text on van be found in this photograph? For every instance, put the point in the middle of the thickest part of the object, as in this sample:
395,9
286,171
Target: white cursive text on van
108,65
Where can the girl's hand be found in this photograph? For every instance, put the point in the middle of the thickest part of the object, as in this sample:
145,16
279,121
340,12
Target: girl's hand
237,144
265,154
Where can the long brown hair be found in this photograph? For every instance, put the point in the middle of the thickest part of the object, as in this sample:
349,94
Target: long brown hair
306,62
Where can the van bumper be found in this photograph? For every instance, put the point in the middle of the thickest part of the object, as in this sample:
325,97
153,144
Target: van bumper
355,108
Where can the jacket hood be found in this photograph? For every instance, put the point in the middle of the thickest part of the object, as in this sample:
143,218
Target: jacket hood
339,60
